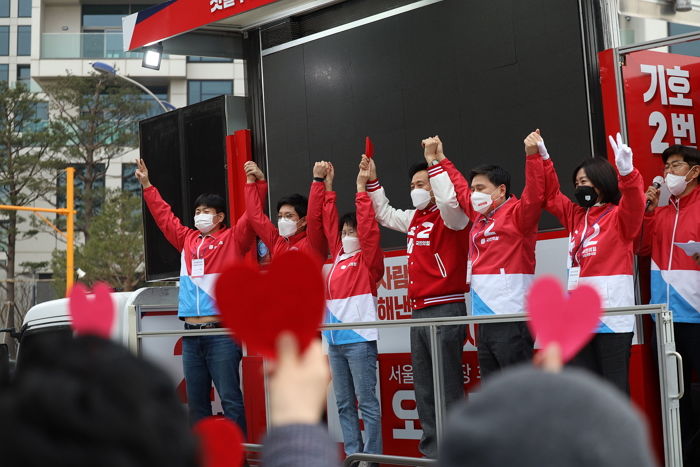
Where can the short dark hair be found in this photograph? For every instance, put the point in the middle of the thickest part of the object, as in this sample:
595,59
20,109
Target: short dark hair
689,155
603,176
349,218
495,173
297,201
415,168
211,200
88,401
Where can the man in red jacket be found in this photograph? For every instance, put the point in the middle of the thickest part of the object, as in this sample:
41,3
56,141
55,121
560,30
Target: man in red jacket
296,229
437,269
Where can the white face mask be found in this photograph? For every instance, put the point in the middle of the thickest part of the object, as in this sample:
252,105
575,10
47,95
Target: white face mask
676,183
350,244
287,227
204,222
420,198
481,202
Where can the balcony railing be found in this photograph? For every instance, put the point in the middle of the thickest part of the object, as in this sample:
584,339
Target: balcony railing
86,45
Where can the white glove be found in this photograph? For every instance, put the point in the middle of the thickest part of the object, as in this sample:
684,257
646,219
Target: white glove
542,150
623,155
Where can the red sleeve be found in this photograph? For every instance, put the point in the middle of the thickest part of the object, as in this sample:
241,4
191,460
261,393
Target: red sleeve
646,237
244,236
555,201
257,219
370,238
167,222
330,223
529,210
462,188
314,222
632,204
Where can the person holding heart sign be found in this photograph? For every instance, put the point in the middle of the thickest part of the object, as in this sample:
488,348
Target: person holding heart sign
351,295
205,252
436,232
603,225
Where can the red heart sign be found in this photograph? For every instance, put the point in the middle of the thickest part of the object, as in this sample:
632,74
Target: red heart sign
93,316
259,305
221,442
567,319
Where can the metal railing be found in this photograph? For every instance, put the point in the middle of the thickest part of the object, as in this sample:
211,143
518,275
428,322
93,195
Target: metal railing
89,45
670,366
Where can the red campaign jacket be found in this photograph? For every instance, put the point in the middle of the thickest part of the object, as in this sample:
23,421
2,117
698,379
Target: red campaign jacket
436,241
351,284
311,240
218,250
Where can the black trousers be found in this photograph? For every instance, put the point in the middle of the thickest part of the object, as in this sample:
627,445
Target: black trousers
502,344
608,356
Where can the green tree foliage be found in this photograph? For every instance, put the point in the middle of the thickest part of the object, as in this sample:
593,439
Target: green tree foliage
26,173
113,252
97,116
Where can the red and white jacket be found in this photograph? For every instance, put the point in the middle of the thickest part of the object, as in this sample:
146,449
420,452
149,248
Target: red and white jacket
601,242
311,240
218,249
502,242
351,284
436,241
675,276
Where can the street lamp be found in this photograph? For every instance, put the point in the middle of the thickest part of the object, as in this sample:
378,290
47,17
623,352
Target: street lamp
104,68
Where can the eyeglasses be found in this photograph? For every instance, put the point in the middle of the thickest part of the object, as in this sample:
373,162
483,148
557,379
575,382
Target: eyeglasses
675,165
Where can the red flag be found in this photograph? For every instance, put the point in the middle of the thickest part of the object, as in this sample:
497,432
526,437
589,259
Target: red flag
369,147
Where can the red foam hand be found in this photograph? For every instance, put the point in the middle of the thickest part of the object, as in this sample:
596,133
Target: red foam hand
221,442
369,147
567,319
257,306
92,315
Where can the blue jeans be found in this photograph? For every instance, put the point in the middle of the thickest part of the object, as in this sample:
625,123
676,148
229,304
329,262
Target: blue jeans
213,358
354,370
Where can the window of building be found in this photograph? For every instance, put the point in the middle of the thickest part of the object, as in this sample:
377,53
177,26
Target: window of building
154,108
685,48
192,58
23,74
4,40
24,40
129,181
201,90
4,72
4,8
98,185
24,8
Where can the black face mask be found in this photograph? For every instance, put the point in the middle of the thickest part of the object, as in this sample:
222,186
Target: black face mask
586,196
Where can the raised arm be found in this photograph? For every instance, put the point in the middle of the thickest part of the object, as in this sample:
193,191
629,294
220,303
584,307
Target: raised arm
387,216
244,235
555,201
259,222
314,221
529,210
633,200
166,221
443,189
330,218
367,227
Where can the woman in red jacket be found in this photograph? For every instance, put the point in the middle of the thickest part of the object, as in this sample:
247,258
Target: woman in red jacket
602,226
351,296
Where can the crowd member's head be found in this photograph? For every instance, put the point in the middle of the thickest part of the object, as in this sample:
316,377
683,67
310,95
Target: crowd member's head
595,181
529,417
681,169
291,214
421,191
89,402
348,232
490,185
209,212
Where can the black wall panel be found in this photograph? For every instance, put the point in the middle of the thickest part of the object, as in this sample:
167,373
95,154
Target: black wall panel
482,75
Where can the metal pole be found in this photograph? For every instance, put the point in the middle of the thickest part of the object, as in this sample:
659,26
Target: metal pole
70,206
671,388
438,381
144,88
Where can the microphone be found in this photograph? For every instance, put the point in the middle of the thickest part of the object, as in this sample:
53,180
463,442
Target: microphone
656,183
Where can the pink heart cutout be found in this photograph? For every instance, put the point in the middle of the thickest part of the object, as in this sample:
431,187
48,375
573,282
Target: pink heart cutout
567,319
91,316
256,306
221,442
